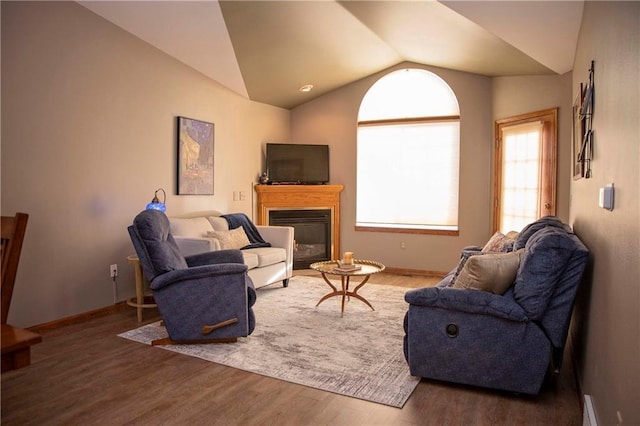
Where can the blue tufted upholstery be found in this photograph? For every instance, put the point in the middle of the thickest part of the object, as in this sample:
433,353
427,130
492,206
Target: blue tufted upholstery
533,227
157,244
502,342
196,291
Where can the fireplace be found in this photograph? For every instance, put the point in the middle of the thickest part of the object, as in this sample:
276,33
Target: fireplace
308,199
312,233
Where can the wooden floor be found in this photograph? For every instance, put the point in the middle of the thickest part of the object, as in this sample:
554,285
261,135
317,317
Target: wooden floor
84,374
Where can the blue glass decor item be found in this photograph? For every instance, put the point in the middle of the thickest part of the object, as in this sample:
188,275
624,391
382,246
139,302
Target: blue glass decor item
155,203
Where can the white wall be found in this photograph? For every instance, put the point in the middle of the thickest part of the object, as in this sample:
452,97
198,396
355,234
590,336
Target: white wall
88,134
606,324
514,96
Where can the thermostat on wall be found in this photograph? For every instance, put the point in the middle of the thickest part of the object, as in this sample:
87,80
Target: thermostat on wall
606,197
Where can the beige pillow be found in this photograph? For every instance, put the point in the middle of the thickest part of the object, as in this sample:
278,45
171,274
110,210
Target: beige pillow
233,239
463,260
499,243
512,235
492,272
218,223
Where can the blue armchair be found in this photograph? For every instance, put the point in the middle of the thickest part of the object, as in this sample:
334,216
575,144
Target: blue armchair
500,341
204,298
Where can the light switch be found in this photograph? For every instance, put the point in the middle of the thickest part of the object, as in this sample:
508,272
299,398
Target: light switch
606,197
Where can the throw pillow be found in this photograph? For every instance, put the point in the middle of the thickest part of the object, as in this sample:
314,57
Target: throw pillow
218,223
492,272
233,239
513,235
464,256
499,243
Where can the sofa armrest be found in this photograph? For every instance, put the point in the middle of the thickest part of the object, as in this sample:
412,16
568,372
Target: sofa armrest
470,251
279,236
470,301
189,246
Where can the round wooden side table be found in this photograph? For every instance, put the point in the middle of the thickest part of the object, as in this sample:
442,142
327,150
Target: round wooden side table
141,300
366,269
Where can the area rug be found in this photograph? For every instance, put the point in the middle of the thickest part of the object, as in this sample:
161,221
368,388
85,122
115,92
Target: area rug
357,355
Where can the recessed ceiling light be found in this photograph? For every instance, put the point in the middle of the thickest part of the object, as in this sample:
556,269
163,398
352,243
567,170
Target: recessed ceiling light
306,88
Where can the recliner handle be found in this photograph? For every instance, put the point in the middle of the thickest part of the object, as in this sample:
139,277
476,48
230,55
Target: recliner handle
206,329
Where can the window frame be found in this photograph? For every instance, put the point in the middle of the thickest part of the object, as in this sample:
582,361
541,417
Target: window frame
548,161
414,120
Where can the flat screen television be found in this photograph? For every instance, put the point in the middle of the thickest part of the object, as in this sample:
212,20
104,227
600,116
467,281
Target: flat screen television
297,164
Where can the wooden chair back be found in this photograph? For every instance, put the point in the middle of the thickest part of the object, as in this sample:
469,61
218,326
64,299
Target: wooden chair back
13,230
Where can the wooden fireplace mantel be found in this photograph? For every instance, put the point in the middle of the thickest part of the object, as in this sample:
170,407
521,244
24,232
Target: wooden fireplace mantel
297,197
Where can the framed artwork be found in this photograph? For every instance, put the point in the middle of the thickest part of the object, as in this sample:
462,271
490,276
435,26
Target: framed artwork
577,135
195,157
586,115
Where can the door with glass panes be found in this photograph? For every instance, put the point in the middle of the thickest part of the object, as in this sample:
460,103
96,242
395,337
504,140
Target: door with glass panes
525,169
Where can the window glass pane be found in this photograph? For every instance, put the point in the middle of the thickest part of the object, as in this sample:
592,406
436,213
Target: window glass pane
521,175
407,175
406,94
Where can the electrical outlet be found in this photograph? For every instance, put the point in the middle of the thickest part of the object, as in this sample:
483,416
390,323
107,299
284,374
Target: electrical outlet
403,245
113,270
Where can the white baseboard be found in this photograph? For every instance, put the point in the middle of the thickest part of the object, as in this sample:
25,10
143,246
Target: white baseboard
589,414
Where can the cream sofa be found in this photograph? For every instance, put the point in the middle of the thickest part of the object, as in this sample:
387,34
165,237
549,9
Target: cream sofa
267,265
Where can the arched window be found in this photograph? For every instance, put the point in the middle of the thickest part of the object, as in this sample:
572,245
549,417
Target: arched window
408,154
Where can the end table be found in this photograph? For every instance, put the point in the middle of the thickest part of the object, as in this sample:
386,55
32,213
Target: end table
367,268
139,301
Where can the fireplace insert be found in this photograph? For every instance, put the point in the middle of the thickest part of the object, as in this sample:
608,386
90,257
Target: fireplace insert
312,234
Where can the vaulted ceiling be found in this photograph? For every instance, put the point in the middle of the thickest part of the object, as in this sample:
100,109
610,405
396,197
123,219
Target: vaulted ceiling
266,50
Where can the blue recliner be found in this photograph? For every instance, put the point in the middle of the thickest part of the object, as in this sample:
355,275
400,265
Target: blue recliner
202,298
506,341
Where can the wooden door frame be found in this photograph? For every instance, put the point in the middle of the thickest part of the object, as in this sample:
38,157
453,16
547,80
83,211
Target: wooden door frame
548,160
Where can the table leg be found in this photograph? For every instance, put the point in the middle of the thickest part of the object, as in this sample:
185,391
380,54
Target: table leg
345,288
335,291
139,302
139,292
355,294
344,292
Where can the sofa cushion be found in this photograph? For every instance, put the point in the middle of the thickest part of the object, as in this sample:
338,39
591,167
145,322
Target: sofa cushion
218,223
498,243
196,227
492,272
267,255
250,259
545,258
464,257
232,239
